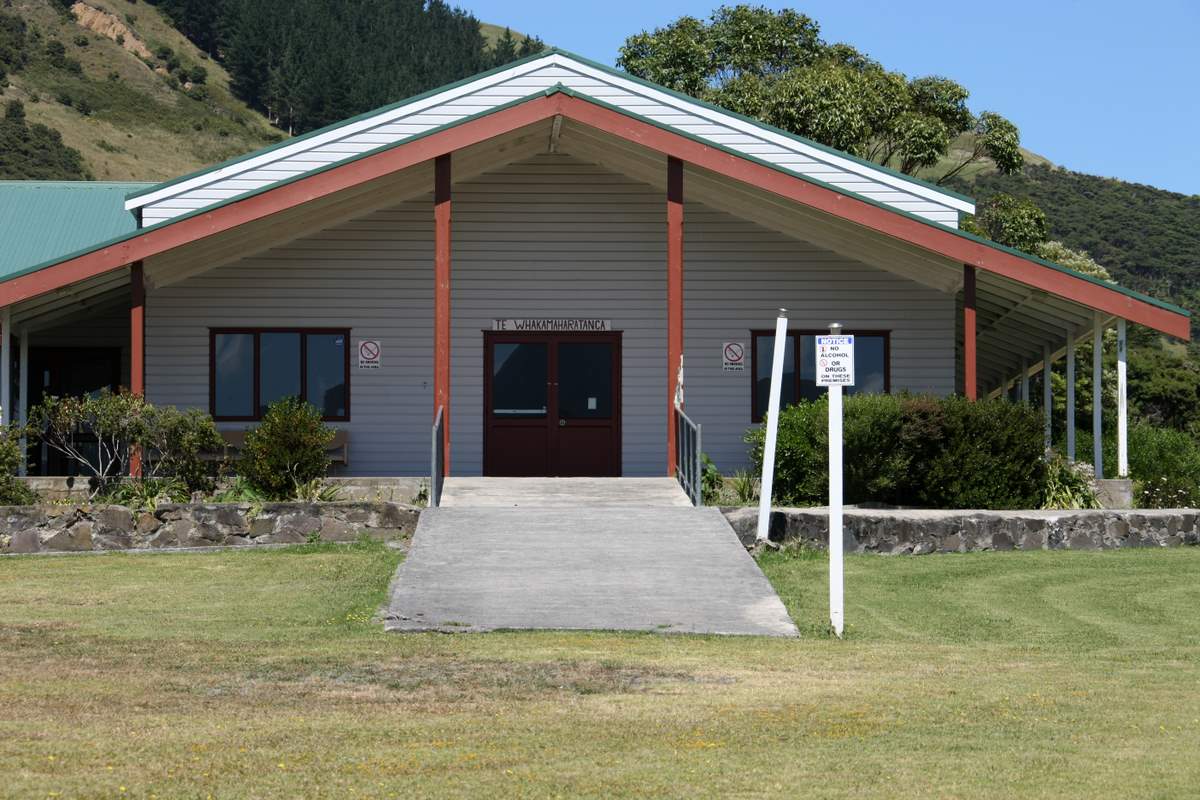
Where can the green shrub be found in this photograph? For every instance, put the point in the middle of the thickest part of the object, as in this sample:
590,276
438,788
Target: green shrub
1166,465
176,442
287,450
911,450
96,431
992,456
13,491
1069,486
711,481
144,494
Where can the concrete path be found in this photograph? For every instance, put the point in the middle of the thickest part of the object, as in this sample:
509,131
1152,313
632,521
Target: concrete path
646,568
562,492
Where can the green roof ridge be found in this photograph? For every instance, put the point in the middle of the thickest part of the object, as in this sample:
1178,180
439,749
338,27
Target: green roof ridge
552,90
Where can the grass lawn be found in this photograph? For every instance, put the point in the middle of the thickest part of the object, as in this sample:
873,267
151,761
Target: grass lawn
261,674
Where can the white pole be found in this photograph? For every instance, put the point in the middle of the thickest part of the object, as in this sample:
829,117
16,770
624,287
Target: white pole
23,398
1071,395
1024,382
835,502
1047,397
6,368
772,421
1097,396
1122,404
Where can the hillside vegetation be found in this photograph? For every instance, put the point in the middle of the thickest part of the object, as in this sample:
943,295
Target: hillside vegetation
120,90
122,87
1148,238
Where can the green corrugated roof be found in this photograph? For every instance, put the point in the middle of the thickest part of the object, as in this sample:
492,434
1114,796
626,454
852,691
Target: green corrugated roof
44,220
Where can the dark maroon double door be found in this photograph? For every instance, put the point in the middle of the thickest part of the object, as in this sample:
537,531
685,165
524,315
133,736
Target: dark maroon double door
552,404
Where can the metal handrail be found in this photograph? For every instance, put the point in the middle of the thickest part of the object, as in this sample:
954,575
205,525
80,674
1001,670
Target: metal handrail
688,468
437,459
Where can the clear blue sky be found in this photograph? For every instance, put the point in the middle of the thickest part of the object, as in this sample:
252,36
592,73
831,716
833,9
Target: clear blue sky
1097,86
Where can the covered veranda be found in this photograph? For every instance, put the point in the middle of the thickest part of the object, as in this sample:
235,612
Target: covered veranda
1018,315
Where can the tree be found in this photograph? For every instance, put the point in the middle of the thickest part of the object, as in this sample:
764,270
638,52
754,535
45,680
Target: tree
1011,221
505,49
773,65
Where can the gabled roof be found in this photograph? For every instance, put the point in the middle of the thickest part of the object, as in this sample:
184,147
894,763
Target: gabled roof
551,69
874,216
44,220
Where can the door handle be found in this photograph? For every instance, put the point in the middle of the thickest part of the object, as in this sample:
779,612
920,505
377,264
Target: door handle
562,423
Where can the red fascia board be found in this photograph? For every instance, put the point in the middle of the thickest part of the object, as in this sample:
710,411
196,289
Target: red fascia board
161,239
927,236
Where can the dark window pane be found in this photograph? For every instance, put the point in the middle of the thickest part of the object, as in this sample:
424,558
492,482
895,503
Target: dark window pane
325,363
764,348
585,380
869,366
519,379
808,368
234,374
278,367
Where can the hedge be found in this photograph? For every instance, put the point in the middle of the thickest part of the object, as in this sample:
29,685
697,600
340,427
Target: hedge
912,450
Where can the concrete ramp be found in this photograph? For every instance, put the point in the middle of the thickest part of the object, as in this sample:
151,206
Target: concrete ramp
645,568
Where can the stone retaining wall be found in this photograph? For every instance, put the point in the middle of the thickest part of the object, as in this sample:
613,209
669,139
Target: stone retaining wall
916,532
50,528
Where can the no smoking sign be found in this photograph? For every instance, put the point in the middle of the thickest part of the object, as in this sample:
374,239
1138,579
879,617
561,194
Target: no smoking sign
733,356
369,354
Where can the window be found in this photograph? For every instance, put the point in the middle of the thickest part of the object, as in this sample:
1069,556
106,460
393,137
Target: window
250,369
872,367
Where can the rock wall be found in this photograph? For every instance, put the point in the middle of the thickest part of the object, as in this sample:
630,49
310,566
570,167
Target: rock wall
917,532
74,527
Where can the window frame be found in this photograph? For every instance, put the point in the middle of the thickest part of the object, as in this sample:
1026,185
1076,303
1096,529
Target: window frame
257,369
756,333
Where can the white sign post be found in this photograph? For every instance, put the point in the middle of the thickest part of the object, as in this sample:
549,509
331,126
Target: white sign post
835,369
772,421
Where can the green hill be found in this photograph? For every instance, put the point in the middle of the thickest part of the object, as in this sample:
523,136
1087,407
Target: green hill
120,84
1148,238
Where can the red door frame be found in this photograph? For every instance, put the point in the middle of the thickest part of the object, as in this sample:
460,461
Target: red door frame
552,338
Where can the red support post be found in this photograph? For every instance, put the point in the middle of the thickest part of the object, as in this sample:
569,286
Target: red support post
137,347
441,298
674,297
970,372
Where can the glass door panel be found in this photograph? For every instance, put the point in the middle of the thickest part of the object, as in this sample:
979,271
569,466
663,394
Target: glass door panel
585,380
519,375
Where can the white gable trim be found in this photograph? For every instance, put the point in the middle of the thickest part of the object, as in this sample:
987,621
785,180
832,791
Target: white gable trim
815,153
395,125
332,135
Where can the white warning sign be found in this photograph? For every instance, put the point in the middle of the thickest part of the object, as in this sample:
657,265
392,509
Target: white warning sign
733,356
370,354
835,360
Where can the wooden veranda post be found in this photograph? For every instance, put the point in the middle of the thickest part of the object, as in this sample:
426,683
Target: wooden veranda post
137,347
674,297
441,300
970,367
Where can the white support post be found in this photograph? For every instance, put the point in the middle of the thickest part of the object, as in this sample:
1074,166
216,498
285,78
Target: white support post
1047,397
836,591
1071,395
23,399
1097,396
6,408
1024,382
1122,404
772,422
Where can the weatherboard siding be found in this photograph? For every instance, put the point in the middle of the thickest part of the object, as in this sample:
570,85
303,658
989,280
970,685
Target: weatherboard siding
548,237
398,124
372,275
